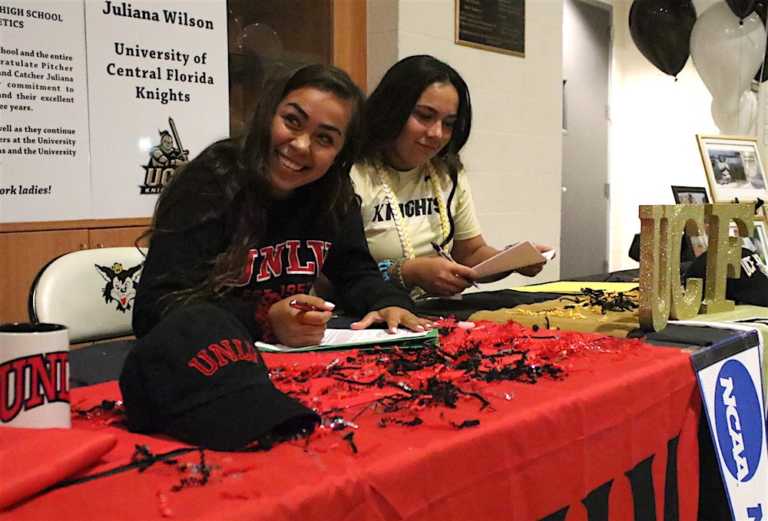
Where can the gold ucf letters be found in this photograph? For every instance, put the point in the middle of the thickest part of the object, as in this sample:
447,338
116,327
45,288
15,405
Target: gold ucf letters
662,294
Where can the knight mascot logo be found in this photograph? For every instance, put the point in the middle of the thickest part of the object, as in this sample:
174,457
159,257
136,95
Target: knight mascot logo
164,159
121,284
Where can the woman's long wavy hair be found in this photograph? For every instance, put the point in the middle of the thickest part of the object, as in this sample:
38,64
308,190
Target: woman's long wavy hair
241,169
391,104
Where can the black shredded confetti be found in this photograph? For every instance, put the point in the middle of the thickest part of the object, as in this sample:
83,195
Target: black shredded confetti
416,421
143,457
350,439
106,406
609,301
466,424
198,474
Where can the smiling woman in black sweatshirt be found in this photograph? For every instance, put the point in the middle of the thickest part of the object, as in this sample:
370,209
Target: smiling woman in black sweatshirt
250,224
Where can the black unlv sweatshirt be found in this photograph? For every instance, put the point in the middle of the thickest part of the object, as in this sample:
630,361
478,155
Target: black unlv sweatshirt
297,246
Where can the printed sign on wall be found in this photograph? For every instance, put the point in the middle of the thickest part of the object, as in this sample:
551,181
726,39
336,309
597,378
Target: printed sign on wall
158,85
44,147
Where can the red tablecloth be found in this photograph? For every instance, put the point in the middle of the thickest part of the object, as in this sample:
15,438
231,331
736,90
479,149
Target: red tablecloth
617,436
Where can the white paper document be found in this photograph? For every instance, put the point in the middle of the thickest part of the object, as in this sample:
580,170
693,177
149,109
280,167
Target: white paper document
352,338
511,258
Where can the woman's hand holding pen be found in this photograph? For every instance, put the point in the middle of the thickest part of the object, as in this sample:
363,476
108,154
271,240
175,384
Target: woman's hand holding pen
437,275
300,320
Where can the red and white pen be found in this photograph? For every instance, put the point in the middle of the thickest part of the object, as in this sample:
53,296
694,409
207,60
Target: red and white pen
306,306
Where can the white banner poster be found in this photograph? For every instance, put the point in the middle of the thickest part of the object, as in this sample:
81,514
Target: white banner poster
158,84
731,390
43,111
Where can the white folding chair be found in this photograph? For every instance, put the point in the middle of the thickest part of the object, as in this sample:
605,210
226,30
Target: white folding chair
89,291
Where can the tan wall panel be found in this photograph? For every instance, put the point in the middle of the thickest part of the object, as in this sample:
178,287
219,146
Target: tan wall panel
21,257
111,237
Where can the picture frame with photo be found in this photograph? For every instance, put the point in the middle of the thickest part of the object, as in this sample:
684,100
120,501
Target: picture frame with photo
758,242
733,168
693,195
690,194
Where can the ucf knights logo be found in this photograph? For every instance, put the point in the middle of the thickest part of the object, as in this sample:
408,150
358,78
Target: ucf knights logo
164,159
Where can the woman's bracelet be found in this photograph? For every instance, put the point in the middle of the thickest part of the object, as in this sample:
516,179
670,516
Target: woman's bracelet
384,267
396,273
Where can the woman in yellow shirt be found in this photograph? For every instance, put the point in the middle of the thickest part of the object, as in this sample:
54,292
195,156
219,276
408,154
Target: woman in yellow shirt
416,200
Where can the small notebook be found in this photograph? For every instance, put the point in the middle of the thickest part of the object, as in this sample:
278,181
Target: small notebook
359,338
511,258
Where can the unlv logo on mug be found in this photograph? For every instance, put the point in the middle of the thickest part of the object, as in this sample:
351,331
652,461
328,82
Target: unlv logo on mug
34,375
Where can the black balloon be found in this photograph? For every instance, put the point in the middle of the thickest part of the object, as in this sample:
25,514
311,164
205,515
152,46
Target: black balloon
661,29
762,74
760,9
741,8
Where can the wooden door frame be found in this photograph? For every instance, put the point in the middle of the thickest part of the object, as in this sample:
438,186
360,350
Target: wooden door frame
349,47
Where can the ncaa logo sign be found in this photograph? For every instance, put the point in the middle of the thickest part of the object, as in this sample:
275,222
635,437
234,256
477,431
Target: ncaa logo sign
738,420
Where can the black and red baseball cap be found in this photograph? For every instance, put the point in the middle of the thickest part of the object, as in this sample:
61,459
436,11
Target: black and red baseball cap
197,377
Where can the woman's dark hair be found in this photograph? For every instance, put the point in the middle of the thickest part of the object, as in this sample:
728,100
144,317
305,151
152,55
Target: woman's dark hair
239,167
391,104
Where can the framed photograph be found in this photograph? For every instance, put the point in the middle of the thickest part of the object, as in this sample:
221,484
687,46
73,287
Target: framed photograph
760,240
733,167
492,25
690,194
757,243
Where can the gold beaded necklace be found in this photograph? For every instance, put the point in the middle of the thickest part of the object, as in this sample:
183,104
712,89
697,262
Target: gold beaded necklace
405,241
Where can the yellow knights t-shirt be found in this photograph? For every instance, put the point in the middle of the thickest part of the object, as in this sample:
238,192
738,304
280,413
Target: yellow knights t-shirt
418,206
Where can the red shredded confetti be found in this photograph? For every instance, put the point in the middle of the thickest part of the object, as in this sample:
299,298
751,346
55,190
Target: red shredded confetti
395,384
399,383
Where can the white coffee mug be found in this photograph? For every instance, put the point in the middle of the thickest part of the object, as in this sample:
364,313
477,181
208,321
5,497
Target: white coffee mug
34,375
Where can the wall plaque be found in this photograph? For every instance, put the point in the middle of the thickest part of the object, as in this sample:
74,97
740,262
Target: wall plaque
494,25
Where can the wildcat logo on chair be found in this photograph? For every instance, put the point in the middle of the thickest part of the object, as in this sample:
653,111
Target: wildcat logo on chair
121,284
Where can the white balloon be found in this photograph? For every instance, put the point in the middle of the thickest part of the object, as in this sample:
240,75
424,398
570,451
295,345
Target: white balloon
736,116
726,118
726,54
703,5
748,114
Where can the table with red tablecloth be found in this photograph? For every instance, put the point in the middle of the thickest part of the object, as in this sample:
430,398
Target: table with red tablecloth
615,438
